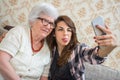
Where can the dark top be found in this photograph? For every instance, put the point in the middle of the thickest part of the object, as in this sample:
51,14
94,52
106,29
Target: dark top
59,73
74,69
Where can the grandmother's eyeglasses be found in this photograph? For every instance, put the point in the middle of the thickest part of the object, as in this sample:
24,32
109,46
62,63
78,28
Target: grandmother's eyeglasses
46,22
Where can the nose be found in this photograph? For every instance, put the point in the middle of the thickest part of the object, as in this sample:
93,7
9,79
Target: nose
65,32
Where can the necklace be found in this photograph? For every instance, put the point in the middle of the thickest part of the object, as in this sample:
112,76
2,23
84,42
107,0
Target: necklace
35,50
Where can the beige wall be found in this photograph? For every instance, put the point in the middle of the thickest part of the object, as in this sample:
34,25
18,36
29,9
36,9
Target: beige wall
15,12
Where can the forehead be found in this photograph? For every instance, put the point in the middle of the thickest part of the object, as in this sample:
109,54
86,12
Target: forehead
62,24
51,19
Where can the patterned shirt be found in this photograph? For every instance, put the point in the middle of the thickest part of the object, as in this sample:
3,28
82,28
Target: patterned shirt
82,53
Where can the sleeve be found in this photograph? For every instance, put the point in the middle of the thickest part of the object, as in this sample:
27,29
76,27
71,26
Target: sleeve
11,42
46,70
90,54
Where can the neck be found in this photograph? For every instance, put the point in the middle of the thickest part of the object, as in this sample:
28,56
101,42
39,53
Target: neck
36,36
36,42
60,49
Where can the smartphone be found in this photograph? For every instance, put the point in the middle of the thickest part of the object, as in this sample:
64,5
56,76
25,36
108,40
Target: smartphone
98,21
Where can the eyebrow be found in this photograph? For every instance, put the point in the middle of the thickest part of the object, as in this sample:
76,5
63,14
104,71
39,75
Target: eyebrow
50,22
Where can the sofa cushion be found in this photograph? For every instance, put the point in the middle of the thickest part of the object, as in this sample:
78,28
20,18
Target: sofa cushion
100,72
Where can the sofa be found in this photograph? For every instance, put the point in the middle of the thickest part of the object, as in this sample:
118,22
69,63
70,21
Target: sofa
100,72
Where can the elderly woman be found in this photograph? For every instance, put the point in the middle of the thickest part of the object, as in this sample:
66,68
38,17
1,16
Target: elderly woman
24,52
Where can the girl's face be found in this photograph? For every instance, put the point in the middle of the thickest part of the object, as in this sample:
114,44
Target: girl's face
63,34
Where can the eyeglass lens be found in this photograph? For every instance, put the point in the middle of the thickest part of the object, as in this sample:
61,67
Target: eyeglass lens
46,22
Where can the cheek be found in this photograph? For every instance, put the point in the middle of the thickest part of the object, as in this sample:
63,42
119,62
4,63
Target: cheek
36,23
50,30
70,35
57,36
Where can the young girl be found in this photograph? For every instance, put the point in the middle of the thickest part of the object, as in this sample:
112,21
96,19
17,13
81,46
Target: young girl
69,55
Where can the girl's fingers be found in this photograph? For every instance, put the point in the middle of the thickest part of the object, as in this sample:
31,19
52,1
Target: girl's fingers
105,29
104,37
107,42
101,28
106,26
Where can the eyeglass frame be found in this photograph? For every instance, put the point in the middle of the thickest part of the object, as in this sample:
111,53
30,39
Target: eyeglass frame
45,22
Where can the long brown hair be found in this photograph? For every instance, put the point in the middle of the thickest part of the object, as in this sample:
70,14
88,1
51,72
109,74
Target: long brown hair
51,40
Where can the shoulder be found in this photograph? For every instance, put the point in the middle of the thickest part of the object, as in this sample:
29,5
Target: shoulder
19,30
82,45
80,48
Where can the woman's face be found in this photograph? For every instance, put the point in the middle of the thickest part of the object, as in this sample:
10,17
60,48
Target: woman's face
43,25
63,34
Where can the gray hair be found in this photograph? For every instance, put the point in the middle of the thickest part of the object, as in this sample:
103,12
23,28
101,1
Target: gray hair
40,9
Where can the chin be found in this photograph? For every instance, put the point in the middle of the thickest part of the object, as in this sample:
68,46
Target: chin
44,35
65,44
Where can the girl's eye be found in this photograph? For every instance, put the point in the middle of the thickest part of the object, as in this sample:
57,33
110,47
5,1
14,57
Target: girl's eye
60,29
69,30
